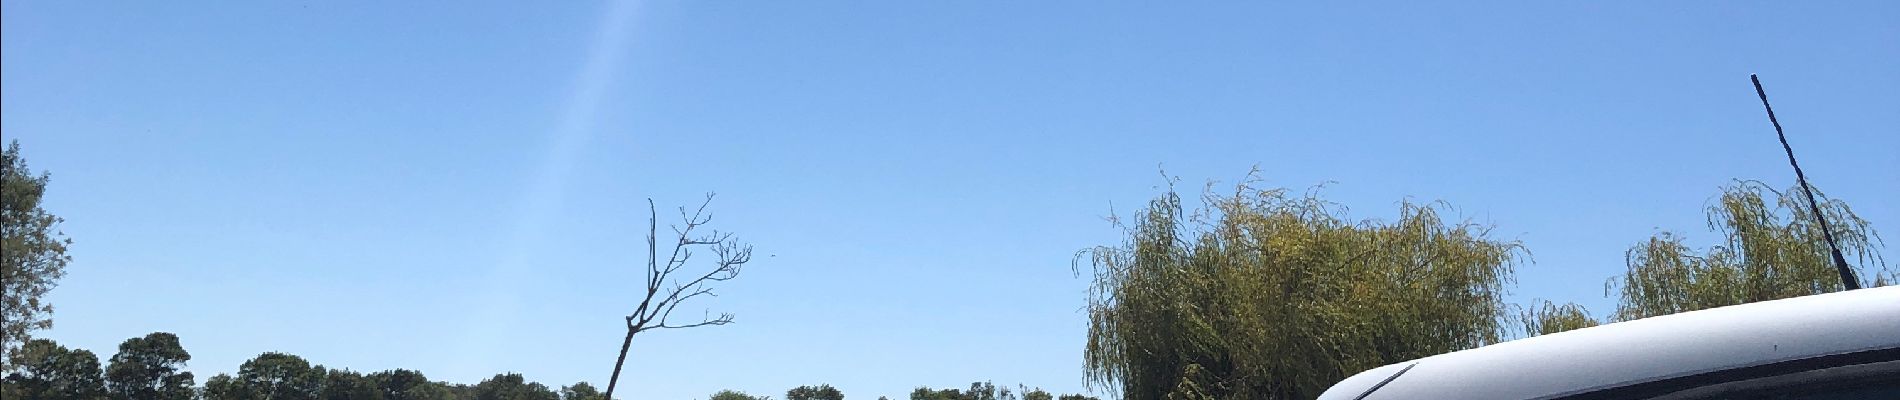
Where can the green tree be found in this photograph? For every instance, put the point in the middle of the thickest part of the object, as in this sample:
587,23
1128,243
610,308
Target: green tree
926,393
32,254
403,384
457,391
347,385
1262,294
1769,251
820,392
225,387
735,395
1076,397
1034,394
511,386
147,368
581,391
280,376
986,391
1548,318
47,370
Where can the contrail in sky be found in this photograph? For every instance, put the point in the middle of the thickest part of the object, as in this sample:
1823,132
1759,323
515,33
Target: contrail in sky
500,306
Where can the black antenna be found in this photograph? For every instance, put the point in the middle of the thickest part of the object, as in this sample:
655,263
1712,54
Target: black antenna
1840,263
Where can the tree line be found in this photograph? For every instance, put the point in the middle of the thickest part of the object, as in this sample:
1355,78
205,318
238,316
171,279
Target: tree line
1258,293
1267,293
151,368
982,390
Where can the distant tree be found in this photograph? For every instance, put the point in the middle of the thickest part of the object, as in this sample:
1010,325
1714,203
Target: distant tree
981,390
347,385
47,370
511,386
581,391
985,391
280,376
735,395
1265,294
664,291
225,387
147,368
1770,251
820,392
926,393
1076,397
32,254
457,391
1548,318
1034,394
403,384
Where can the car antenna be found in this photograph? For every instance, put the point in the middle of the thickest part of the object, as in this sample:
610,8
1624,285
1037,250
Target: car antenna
1847,274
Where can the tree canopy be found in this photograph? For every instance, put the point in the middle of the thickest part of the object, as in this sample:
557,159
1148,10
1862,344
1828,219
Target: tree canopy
1772,248
47,370
32,254
512,386
1036,394
147,368
735,395
346,385
1265,294
404,384
820,392
581,391
1548,318
271,375
985,390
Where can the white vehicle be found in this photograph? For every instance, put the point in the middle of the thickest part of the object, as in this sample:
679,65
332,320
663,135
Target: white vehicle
1843,345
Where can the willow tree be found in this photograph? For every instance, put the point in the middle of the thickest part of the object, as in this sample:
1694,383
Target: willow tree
1769,251
1549,317
1262,294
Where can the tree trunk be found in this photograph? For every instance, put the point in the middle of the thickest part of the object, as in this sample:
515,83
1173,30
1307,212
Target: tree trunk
615,379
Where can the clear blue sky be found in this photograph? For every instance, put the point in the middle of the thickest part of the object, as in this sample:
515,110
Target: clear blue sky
458,187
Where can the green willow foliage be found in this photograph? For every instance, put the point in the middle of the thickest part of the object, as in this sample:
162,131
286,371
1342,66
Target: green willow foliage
1769,252
1552,318
1265,295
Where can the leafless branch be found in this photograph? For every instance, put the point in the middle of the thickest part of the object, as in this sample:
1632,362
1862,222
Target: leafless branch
665,290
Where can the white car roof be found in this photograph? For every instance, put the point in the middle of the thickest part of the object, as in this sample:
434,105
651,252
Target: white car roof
1644,350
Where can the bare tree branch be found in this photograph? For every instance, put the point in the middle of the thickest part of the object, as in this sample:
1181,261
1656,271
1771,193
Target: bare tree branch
722,320
665,291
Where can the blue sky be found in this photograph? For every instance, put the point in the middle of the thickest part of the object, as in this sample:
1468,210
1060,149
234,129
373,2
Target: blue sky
459,187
